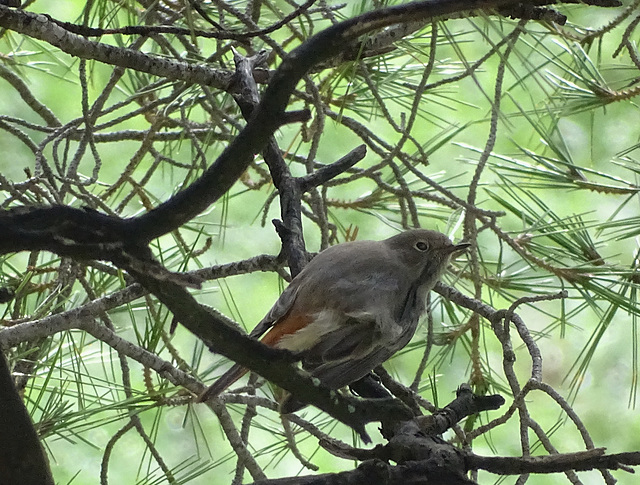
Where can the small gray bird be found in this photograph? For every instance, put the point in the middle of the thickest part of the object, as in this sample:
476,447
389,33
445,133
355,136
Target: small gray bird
352,307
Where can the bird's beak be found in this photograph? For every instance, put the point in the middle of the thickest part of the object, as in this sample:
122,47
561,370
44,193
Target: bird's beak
457,249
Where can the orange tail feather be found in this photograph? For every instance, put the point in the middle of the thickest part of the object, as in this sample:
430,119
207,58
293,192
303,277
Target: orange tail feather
286,326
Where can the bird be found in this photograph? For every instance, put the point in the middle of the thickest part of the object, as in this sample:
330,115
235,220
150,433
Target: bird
352,307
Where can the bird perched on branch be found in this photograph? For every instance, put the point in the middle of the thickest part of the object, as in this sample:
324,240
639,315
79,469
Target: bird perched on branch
352,307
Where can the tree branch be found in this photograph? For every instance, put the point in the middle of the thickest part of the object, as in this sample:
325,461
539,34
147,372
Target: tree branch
43,27
273,364
22,459
580,461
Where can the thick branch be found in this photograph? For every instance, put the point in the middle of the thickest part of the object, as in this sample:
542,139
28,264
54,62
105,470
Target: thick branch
268,116
274,365
581,461
381,473
248,98
22,459
465,404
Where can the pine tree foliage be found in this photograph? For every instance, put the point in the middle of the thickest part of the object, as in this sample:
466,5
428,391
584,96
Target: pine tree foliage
511,126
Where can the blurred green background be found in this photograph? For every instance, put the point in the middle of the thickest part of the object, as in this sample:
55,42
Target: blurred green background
563,169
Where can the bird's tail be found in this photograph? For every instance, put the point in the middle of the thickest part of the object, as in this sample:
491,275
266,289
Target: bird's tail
272,338
228,378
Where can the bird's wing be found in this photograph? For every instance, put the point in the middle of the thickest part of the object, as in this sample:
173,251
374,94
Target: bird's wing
350,351
339,373
348,338
279,309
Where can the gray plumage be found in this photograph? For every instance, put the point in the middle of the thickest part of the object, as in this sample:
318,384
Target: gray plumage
363,300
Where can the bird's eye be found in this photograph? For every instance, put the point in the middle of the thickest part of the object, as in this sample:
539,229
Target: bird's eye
422,246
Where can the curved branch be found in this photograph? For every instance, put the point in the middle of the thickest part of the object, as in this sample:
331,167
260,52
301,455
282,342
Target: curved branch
270,113
266,118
